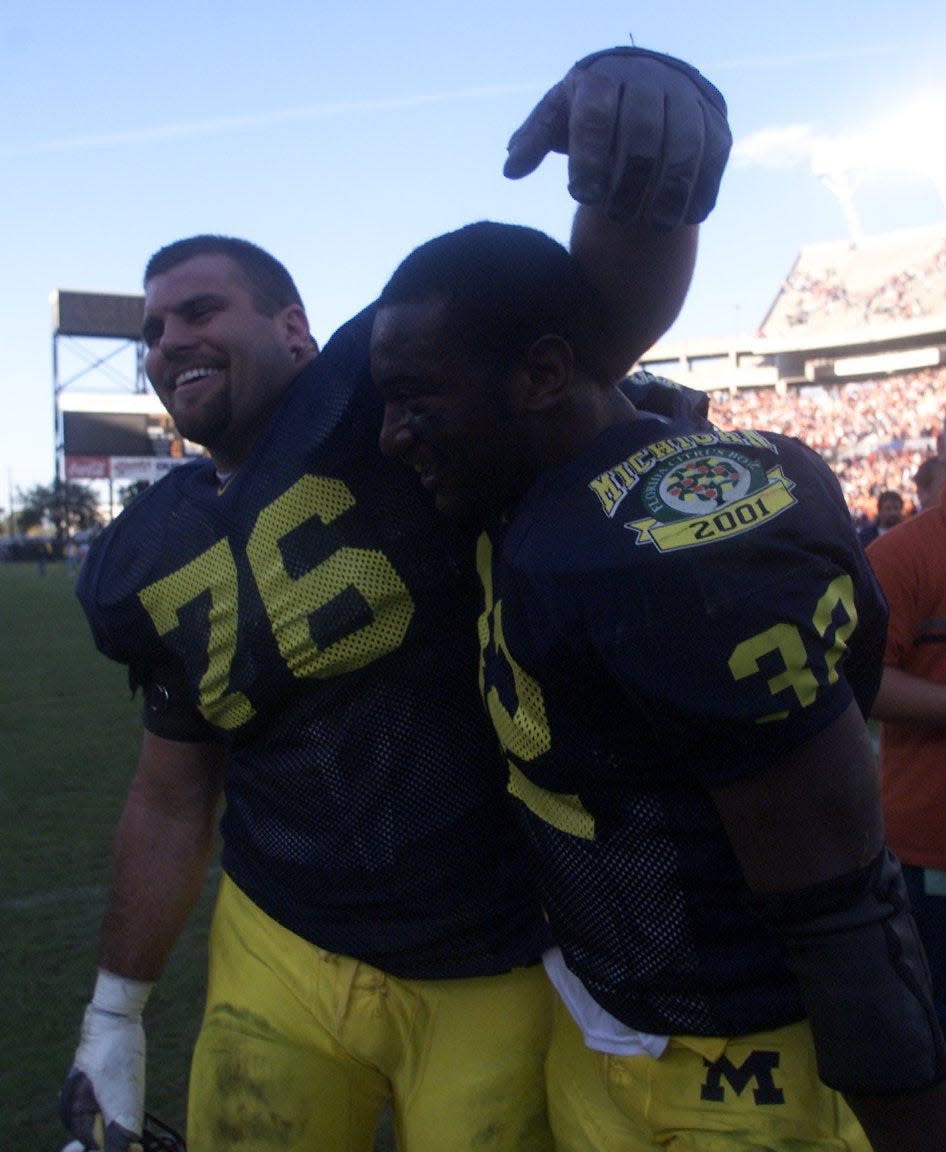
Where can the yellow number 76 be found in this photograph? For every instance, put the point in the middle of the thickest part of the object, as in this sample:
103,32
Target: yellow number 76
289,601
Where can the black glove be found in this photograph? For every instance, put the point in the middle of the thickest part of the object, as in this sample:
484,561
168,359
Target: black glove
81,1114
645,134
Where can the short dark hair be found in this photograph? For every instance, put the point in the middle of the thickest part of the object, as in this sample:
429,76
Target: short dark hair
504,287
928,472
269,281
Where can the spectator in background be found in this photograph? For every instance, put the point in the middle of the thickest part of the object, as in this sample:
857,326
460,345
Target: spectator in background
930,478
889,514
910,563
874,433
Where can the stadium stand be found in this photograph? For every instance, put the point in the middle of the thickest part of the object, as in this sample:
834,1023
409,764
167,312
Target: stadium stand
881,279
874,433
850,358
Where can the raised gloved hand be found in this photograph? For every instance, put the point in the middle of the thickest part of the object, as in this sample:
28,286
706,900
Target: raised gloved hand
645,134
102,1099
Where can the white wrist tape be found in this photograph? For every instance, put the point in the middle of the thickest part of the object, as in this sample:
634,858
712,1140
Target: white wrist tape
120,995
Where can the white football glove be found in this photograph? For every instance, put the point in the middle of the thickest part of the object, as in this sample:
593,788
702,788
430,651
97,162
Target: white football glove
646,136
102,1100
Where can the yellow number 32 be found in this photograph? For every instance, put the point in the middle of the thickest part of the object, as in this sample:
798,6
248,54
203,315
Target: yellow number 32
786,640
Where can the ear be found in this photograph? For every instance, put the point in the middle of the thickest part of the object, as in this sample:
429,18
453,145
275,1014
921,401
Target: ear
298,337
547,372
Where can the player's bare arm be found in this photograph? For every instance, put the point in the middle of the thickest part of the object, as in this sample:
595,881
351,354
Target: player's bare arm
808,834
162,850
810,817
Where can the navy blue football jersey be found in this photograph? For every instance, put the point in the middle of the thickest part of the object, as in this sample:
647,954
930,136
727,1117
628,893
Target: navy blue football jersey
318,619
664,397
668,612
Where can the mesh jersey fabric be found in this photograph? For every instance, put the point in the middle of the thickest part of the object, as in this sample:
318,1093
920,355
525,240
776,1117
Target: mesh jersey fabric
669,611
320,622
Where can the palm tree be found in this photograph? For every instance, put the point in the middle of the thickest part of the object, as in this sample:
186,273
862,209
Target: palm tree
65,507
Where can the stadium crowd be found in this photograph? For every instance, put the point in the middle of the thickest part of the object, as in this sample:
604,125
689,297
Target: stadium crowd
811,298
874,433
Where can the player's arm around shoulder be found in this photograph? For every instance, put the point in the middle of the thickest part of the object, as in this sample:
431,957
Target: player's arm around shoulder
647,139
642,277
808,834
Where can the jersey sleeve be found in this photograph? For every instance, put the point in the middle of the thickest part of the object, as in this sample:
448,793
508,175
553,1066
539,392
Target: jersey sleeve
167,710
734,650
740,678
108,596
664,397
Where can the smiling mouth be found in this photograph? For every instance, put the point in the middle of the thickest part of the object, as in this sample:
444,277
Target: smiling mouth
192,375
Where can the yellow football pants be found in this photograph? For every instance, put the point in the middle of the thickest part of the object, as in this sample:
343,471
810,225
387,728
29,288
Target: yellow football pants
300,1049
702,1095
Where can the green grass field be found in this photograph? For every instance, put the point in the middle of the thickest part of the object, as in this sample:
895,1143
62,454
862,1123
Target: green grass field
68,739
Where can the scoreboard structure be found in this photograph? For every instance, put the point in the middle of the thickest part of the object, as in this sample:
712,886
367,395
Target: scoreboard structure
122,438
108,424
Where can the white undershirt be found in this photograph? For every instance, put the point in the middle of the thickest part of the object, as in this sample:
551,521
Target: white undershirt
601,1031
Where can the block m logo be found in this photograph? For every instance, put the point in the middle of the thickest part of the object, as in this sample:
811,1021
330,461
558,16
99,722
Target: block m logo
758,1067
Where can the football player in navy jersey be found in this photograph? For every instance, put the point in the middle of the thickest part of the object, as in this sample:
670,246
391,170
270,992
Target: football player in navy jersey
680,638
301,626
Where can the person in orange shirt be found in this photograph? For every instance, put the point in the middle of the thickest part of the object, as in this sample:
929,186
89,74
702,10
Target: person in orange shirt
910,563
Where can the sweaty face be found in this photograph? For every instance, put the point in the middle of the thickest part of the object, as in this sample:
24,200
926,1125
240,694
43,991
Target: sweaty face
444,416
217,363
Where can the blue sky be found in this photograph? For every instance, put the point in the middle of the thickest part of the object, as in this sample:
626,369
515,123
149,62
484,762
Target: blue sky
340,135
